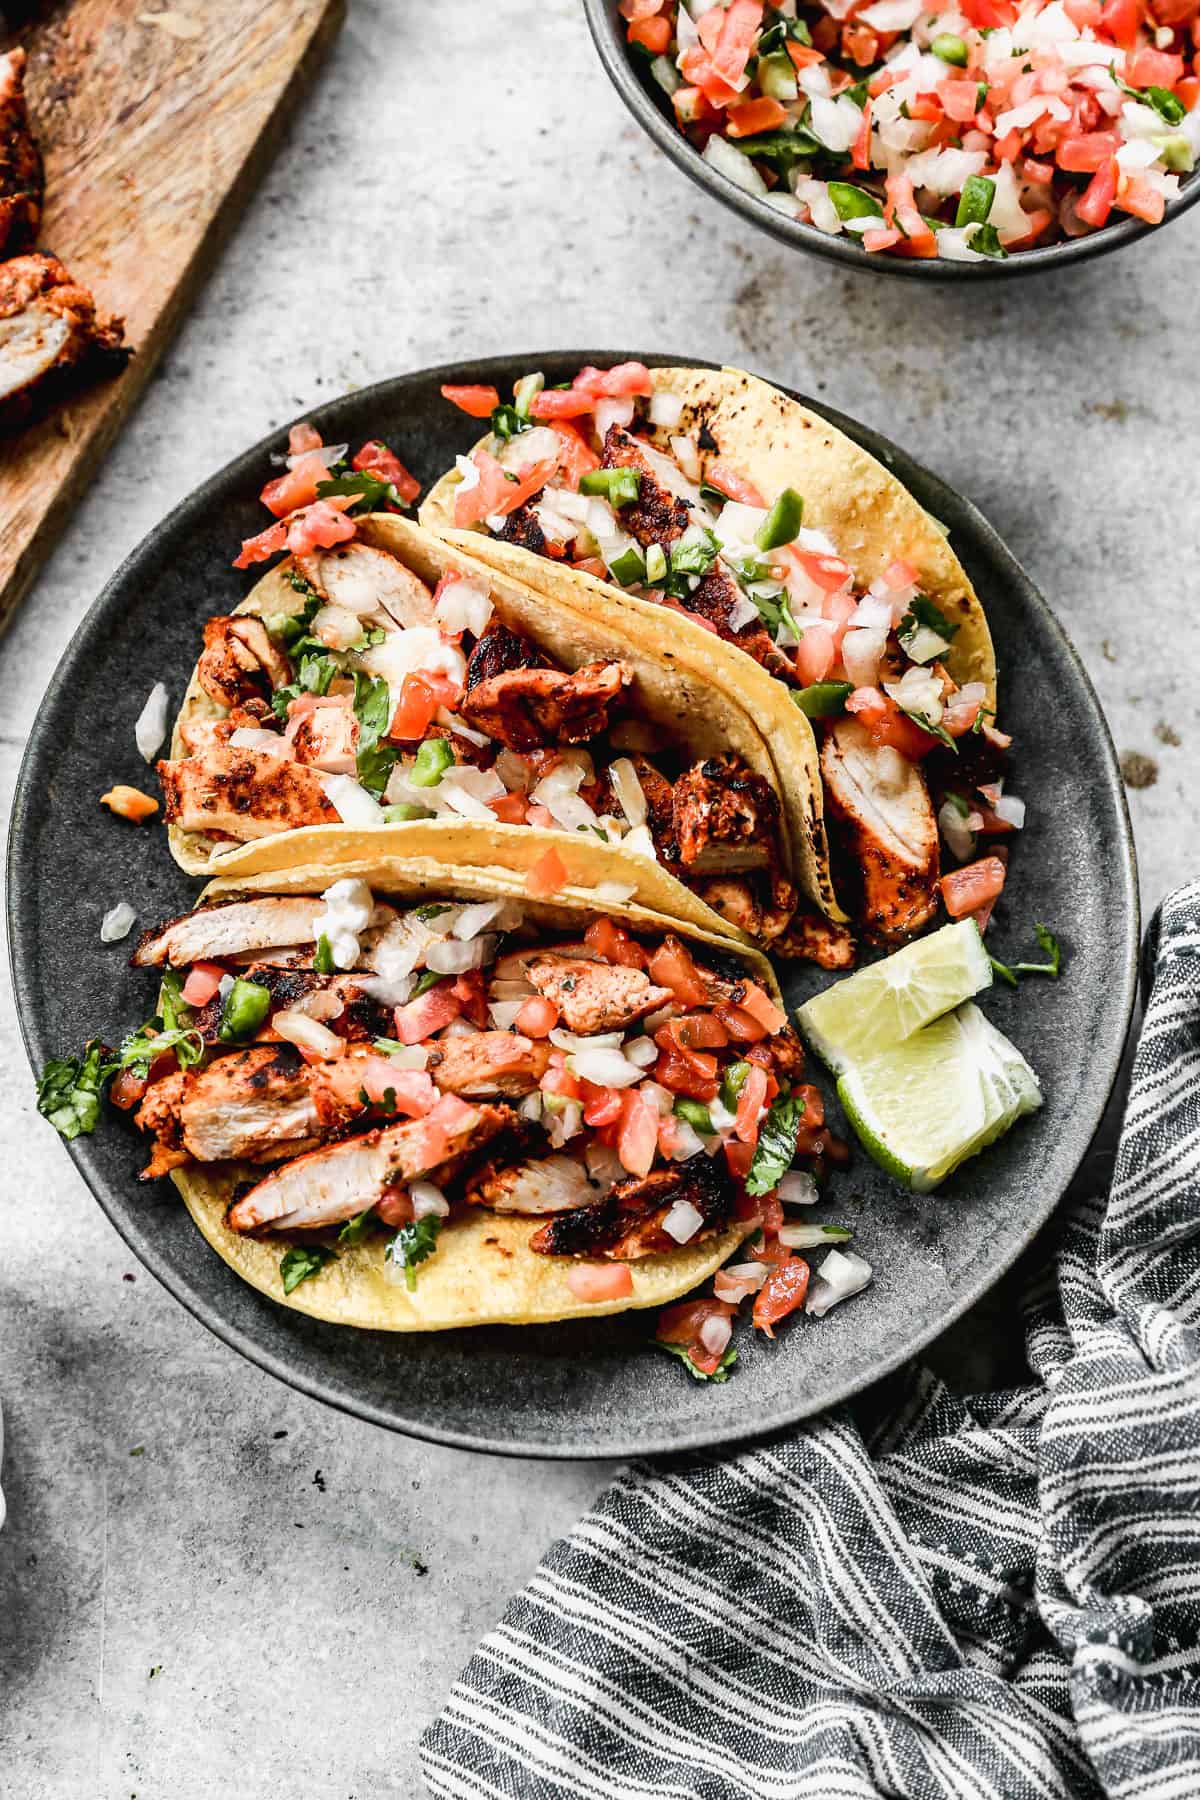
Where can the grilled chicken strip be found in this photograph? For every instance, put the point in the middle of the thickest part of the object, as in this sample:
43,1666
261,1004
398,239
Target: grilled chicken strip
547,1184
528,708
249,1106
363,579
21,174
342,1180
243,794
239,662
594,996
488,1065
725,817
49,332
230,929
884,820
628,1223
326,738
819,940
657,516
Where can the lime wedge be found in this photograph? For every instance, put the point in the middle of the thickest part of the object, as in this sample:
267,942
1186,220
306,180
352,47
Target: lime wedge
924,1105
889,1000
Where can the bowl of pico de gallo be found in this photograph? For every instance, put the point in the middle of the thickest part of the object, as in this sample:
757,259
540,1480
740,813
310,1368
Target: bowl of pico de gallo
954,139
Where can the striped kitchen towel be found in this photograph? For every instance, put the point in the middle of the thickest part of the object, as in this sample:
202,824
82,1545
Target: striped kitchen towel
923,1595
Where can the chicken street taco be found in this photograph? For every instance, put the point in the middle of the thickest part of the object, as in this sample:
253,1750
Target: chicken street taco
389,679
412,1098
806,578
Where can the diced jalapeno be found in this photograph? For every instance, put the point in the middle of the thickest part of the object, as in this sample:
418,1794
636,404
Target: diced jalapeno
433,759
403,811
950,48
975,201
851,202
733,1083
824,699
656,564
782,523
695,1114
629,567
246,1006
618,486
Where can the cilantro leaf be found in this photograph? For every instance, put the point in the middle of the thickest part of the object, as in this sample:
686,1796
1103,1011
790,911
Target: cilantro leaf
372,494
924,612
1047,942
428,978
355,1229
301,1262
69,1089
720,1373
373,710
776,1148
413,1244
927,724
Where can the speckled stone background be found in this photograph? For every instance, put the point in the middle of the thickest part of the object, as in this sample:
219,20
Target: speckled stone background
209,1586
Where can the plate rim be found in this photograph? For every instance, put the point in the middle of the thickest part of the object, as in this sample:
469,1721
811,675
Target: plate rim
1091,1106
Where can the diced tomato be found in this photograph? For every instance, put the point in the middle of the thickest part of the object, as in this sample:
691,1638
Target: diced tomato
860,150
470,990
128,1090
421,694
575,455
739,33
1084,154
541,817
602,1105
129,803
783,1292
298,487
960,100
966,890
751,1101
695,1031
537,1017
987,15
861,45
637,1139
1096,201
394,1206
561,403
622,382
558,1079
926,107
1188,91
633,10
880,715
814,1105
1153,68
882,238
262,546
672,967
741,1025
690,106
429,1012
547,876
1037,171
510,809
320,526
681,1324
596,1282
827,572
592,565
477,402
692,1073
303,437
751,116
720,475
708,27
882,80
1119,20
760,1006
376,459
1142,200
960,716
613,944
1083,14
415,1094
451,1113
816,654
738,1157
203,980
494,492
653,34
900,209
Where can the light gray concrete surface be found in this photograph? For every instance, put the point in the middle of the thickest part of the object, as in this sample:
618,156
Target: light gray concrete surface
210,1586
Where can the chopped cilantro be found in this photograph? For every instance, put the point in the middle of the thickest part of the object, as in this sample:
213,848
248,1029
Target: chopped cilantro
69,1089
924,612
301,1262
355,1229
776,1148
372,494
429,978
414,1244
1053,950
720,1373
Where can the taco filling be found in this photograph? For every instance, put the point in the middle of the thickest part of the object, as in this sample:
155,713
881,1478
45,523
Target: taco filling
354,1071
602,478
382,699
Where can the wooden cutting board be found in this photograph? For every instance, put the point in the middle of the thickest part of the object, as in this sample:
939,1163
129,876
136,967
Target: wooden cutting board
156,118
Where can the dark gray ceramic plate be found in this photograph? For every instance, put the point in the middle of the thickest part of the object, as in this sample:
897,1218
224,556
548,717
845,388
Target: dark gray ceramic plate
582,1389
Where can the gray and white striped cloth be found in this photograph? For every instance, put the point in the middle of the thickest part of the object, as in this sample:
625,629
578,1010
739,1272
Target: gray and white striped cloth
993,1597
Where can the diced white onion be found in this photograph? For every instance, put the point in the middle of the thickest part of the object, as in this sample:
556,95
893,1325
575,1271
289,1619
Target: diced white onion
604,1068
797,1187
308,1034
428,1200
117,922
840,1276
666,409
643,1051
734,166
612,412
571,1040
474,919
458,725
743,612
958,836
640,842
407,1056
562,1122
682,1221
351,801
628,789
336,626
450,957
264,743
615,893
861,651
326,453
604,1166
687,454
464,605
687,1142
892,15
804,1237
715,1334
662,1097
1012,810
151,727
836,122
503,1013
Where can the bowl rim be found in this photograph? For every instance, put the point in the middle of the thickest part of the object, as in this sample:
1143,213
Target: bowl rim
602,17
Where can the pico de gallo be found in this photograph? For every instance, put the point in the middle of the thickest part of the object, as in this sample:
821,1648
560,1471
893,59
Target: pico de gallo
598,477
373,1072
960,129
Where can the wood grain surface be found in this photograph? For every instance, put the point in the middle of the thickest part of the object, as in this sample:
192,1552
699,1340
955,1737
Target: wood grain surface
155,117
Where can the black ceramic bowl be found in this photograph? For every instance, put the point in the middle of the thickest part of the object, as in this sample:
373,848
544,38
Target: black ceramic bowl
590,1387
636,86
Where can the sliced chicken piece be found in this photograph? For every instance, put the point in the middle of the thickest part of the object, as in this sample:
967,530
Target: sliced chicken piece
497,651
250,1105
21,175
212,933
243,793
528,708
548,1184
49,334
736,901
337,1182
326,738
239,662
657,516
815,939
725,817
714,599
884,820
628,1223
488,1065
198,735
364,579
594,996
522,526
